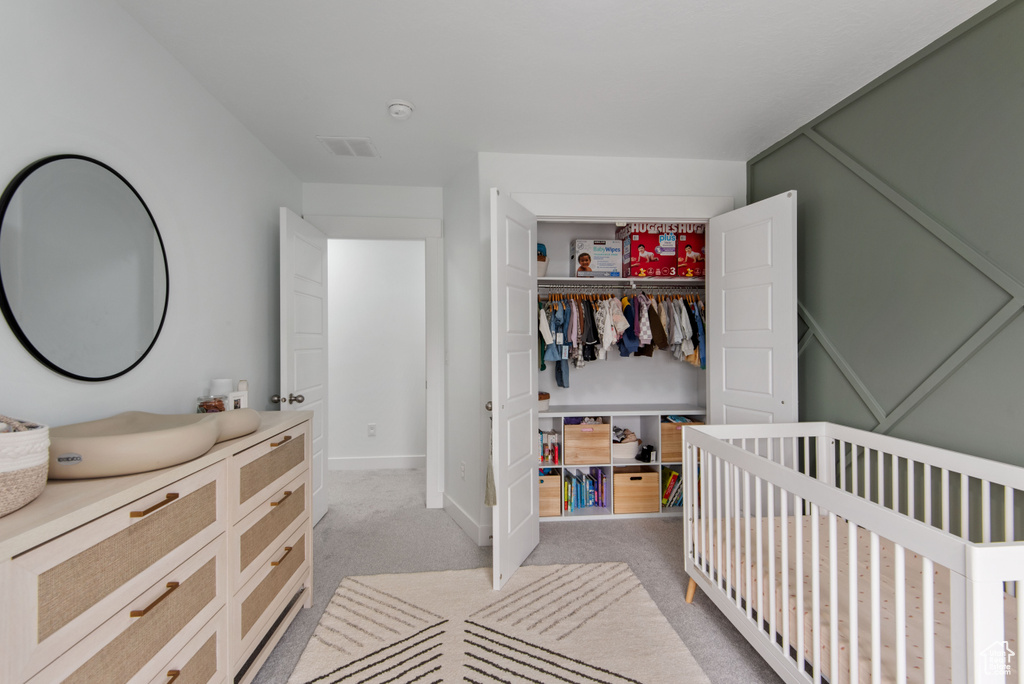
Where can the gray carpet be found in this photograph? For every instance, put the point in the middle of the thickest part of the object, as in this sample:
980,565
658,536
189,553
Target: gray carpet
378,524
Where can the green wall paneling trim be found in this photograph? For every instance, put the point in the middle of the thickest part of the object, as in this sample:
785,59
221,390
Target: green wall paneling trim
911,244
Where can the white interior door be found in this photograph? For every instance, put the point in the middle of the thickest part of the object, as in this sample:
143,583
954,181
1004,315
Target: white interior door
516,521
752,313
304,337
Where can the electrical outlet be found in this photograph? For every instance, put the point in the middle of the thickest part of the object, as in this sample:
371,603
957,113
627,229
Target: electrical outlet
462,469
371,429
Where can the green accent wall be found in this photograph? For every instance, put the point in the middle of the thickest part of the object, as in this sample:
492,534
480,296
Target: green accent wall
911,245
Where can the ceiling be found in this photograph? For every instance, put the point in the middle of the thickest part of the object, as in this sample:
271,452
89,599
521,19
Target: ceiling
698,79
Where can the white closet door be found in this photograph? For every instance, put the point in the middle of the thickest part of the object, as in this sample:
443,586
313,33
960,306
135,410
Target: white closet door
304,337
516,521
752,313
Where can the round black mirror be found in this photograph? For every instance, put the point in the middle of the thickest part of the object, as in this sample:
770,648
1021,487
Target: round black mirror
83,272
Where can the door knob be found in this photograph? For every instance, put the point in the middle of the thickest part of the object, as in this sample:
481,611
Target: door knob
295,398
277,399
488,406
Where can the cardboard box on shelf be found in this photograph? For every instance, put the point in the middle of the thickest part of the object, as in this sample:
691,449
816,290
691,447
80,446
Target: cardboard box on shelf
596,258
648,250
690,249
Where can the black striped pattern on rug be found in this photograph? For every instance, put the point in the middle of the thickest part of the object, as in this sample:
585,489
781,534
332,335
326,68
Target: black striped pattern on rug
564,601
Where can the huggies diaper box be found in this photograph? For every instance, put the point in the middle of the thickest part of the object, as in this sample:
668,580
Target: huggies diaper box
662,250
596,258
690,249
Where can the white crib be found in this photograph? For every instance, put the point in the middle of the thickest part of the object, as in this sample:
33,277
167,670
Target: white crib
789,526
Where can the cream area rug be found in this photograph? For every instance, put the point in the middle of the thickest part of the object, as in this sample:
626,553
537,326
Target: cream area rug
590,623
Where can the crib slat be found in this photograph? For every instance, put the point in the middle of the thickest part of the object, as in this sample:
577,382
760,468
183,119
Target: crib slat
900,582
928,605
727,524
911,488
856,466
965,486
1007,513
799,528
815,593
879,473
852,575
760,550
986,511
718,522
927,493
833,598
747,557
737,520
876,615
945,500
840,458
771,562
785,572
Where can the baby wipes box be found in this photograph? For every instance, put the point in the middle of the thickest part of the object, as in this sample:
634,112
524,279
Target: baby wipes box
648,249
594,258
690,249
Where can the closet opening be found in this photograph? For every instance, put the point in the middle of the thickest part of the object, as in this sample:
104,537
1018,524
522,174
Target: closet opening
377,354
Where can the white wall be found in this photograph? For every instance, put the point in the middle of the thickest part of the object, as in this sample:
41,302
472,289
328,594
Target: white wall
467,239
377,353
83,77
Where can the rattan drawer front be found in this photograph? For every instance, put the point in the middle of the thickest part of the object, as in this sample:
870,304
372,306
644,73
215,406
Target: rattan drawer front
166,618
72,584
262,597
259,471
204,658
263,531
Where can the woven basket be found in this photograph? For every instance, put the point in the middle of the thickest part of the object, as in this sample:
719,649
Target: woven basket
24,462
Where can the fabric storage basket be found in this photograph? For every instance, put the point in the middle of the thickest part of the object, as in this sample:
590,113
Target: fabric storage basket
24,463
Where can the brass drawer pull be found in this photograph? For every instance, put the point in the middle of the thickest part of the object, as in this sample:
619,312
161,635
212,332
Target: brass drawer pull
171,586
278,503
287,550
142,514
173,674
286,438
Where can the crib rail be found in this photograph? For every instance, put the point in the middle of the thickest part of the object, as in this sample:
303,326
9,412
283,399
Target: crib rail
764,501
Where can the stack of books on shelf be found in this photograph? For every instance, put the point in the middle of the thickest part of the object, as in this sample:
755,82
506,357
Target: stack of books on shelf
585,489
671,488
550,449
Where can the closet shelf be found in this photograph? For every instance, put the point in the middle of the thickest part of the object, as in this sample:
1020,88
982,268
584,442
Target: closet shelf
623,410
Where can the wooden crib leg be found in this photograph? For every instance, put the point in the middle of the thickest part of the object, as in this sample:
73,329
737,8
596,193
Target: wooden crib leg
691,588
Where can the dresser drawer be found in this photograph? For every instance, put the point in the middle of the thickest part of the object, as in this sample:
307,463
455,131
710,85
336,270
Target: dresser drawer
261,533
203,660
68,586
143,636
262,598
256,473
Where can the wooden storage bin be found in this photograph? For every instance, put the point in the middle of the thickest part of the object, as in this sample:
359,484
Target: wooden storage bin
672,441
588,444
550,496
635,489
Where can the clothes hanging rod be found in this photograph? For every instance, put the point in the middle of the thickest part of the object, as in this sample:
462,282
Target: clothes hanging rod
631,285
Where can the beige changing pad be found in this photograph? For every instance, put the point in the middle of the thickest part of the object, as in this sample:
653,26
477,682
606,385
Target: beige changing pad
914,604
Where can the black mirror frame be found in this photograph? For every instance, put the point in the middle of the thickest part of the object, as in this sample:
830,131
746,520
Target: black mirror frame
5,306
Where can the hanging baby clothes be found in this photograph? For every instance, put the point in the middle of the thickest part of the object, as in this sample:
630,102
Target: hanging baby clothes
629,342
544,332
645,336
659,337
590,335
698,310
603,323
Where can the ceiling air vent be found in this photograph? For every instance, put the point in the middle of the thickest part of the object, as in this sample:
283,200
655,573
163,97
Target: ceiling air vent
350,147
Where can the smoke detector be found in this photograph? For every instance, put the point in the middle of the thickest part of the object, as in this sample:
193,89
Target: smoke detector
400,109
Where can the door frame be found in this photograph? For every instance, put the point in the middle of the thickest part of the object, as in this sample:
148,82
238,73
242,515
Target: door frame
429,230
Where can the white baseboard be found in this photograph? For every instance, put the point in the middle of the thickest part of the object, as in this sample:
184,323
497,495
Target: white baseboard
481,534
376,462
